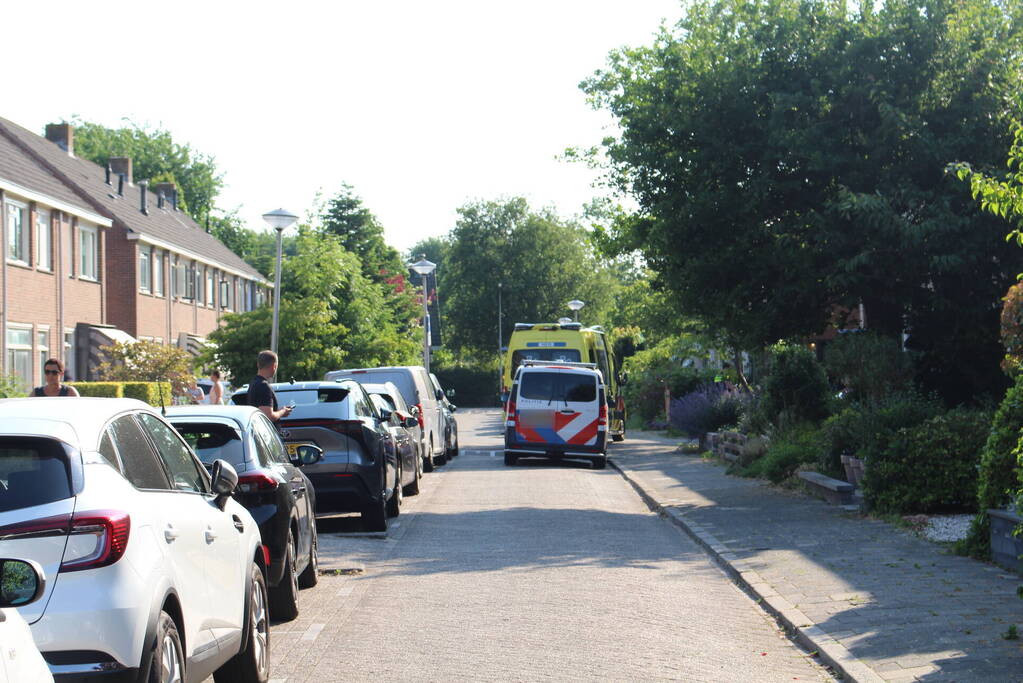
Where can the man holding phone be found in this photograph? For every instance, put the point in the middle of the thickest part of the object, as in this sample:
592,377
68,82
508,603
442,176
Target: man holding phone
261,394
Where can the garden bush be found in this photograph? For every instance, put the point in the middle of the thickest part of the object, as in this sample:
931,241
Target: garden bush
797,445
869,365
650,371
474,379
707,409
931,467
864,428
796,385
100,389
149,392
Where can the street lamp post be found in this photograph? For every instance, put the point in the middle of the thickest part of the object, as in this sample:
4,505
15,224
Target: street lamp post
424,268
500,340
575,305
279,220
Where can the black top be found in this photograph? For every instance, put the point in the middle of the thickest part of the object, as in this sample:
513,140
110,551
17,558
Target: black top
261,393
38,391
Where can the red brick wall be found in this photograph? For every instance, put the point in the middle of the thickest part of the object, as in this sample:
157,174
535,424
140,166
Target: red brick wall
122,288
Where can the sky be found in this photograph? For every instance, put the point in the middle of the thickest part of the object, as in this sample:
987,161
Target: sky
421,107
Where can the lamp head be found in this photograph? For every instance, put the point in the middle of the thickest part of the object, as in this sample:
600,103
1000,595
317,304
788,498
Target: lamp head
422,266
575,304
280,219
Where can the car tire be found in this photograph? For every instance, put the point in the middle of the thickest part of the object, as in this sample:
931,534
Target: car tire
394,504
167,660
311,574
620,436
453,451
510,459
413,487
252,663
284,597
374,518
600,462
428,464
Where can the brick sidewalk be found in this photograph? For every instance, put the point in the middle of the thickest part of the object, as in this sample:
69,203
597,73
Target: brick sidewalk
878,602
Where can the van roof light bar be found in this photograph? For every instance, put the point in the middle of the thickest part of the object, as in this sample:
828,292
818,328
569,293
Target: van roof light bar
559,363
548,326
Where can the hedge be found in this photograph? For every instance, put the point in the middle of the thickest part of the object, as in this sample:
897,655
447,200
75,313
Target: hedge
148,392
473,385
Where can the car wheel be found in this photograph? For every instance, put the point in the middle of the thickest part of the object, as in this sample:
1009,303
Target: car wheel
311,574
394,504
413,488
428,464
374,518
453,451
252,663
620,436
510,459
167,662
284,597
600,463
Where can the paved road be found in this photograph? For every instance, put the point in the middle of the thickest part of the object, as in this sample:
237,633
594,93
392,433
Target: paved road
537,572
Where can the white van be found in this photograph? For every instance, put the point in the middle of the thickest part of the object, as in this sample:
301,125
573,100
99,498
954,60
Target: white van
416,388
557,410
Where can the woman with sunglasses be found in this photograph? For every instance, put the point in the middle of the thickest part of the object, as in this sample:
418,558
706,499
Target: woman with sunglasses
54,371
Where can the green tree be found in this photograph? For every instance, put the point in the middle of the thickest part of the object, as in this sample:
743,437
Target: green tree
156,157
788,156
145,361
361,234
541,261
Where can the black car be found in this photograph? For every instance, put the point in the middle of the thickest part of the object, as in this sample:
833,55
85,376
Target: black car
358,472
271,486
447,417
403,425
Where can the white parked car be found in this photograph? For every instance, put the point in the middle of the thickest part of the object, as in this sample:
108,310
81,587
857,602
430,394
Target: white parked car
156,573
21,584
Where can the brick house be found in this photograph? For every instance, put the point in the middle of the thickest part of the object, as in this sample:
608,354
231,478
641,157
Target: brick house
158,275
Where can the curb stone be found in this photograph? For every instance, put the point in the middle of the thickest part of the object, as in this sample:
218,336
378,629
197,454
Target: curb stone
806,632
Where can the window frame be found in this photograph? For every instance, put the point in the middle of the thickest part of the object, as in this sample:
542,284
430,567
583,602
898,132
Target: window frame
44,247
158,272
145,269
88,268
23,258
19,348
197,465
42,350
133,417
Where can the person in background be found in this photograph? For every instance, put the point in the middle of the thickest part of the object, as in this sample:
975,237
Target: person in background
53,369
216,395
261,394
194,392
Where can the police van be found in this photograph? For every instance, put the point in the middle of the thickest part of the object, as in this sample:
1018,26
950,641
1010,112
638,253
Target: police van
568,342
557,410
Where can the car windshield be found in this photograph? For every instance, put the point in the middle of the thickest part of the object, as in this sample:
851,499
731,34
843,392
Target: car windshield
33,471
555,386
212,441
553,355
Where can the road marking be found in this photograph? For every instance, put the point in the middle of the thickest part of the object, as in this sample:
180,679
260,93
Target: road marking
277,680
313,631
346,590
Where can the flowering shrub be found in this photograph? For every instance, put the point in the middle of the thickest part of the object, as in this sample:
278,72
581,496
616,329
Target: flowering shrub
707,409
1012,329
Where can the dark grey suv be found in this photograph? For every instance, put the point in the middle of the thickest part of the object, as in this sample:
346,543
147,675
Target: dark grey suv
357,472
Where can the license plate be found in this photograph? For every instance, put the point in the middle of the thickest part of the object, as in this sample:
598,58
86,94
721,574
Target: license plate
293,446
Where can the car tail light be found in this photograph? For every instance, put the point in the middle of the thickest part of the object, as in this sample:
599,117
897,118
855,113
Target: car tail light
602,417
266,554
97,538
257,481
512,417
57,525
419,416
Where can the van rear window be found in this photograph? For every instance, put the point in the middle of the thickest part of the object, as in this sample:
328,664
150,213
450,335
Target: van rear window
554,355
33,471
307,397
557,386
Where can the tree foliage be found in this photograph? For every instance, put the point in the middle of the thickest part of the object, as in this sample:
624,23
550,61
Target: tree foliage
788,156
540,260
146,361
361,234
155,157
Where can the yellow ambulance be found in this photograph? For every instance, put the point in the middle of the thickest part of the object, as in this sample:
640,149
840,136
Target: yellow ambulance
568,342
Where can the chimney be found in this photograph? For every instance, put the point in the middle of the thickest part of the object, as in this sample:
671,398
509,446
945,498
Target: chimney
143,187
121,166
107,181
120,184
166,191
159,200
62,135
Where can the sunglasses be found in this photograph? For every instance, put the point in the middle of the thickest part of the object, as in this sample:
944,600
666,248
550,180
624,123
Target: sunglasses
52,372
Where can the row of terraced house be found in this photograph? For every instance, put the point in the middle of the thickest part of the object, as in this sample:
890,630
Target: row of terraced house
94,255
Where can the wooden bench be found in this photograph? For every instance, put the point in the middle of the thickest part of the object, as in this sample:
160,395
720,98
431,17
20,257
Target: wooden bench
834,491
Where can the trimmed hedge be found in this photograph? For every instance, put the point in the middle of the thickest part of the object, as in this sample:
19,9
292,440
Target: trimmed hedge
473,385
930,467
148,392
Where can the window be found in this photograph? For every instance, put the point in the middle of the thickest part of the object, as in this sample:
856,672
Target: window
225,294
88,252
44,246
189,275
109,453
67,248
212,441
186,474
198,280
69,355
157,273
141,466
19,353
209,287
268,435
33,471
145,276
43,349
17,232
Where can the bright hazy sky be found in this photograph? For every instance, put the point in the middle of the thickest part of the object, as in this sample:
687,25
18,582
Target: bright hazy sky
420,106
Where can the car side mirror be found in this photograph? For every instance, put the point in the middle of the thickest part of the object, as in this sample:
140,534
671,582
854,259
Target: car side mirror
225,480
307,454
414,410
21,582
450,393
439,394
452,407
385,415
410,422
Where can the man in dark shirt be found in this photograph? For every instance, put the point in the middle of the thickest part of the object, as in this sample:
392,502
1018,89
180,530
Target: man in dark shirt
261,394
